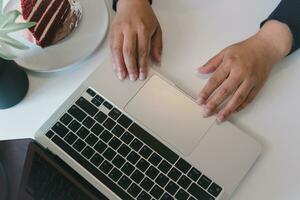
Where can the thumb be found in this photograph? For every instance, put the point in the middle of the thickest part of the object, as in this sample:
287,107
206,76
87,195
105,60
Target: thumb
212,64
156,45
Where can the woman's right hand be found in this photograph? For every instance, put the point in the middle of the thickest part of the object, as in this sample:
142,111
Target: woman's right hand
135,35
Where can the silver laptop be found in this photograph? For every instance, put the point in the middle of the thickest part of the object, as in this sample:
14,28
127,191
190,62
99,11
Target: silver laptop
147,140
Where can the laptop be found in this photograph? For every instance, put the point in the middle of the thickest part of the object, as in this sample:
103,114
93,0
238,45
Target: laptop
29,172
147,140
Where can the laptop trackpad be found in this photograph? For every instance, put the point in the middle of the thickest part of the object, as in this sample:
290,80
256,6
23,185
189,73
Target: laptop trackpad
170,114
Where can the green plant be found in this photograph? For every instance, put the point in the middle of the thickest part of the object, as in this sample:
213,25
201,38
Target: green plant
8,25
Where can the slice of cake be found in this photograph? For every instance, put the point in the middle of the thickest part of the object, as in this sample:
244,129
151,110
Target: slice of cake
55,19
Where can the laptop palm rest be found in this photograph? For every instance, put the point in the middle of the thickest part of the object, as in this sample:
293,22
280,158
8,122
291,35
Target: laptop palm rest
169,114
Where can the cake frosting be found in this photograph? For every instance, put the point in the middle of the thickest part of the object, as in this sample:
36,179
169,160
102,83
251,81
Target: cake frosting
55,19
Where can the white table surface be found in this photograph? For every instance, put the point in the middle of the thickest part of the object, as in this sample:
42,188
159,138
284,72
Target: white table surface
195,30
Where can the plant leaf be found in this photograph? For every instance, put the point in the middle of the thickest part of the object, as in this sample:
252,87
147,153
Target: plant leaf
9,18
12,42
17,27
5,55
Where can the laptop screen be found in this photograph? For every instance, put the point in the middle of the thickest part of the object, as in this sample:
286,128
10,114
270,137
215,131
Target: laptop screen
43,176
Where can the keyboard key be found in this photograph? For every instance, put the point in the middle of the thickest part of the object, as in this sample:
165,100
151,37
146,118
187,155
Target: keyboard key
184,182
79,145
100,147
118,130
88,122
214,189
147,184
87,106
124,121
142,165
107,105
99,98
106,136
137,176
155,159
182,195
124,182
115,143
66,119
50,134
172,187
93,170
105,167
162,180
97,129
199,193
60,129
124,150
153,143
74,126
136,144
166,196
164,166
91,139
114,113
152,172
109,154
91,92
82,132
97,159
156,191
183,165
127,137
204,181
71,138
88,152
78,114
145,151
144,196
96,102
118,161
134,190
100,117
109,124
127,168
194,174
174,174
133,157
115,174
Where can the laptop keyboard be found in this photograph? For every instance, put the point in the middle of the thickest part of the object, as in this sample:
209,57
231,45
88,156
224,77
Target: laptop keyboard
124,156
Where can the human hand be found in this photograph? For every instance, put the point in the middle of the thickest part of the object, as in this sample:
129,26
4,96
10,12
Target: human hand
135,35
240,70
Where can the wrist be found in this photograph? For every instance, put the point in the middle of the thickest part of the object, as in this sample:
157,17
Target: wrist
277,36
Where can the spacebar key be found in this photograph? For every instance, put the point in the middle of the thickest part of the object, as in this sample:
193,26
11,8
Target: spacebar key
199,193
152,142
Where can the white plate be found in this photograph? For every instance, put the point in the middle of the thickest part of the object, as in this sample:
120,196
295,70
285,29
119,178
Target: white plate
78,45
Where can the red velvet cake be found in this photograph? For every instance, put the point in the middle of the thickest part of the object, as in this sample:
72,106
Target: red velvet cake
55,19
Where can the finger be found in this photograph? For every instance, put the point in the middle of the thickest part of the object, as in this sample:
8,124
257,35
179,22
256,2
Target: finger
212,64
143,53
130,54
157,45
116,46
227,88
237,99
248,100
213,83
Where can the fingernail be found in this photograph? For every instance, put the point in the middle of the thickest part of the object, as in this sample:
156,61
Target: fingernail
132,77
206,112
142,76
220,118
200,100
121,75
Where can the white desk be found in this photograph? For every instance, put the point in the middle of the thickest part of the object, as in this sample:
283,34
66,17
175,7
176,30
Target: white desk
194,30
